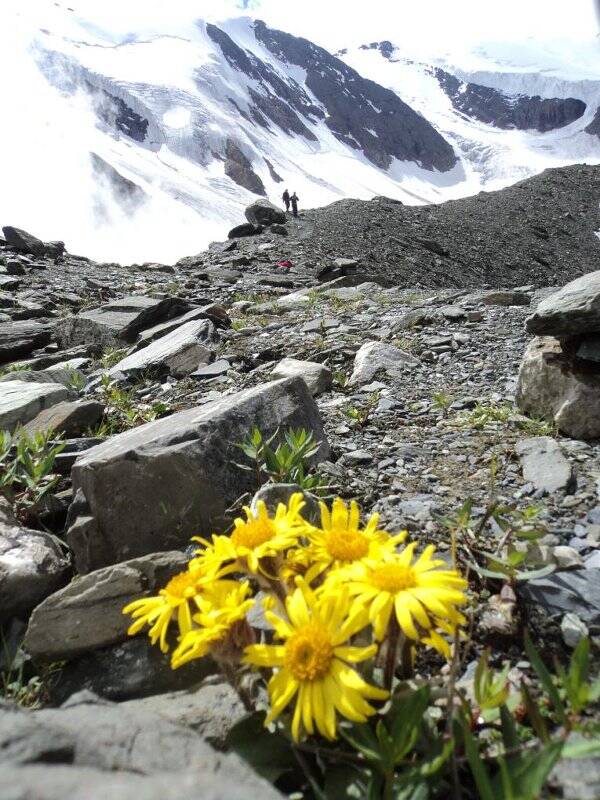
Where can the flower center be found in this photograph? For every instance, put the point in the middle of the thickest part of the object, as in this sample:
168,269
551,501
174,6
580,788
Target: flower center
308,653
253,533
346,545
392,578
181,586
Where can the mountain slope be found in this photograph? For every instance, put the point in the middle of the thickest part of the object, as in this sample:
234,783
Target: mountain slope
159,140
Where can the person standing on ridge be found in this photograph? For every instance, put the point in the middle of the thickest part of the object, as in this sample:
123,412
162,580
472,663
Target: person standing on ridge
294,199
286,200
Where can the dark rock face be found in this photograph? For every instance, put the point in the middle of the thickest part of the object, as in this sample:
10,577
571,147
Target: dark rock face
386,48
125,192
245,229
279,102
117,114
356,106
510,112
274,175
594,127
359,112
239,169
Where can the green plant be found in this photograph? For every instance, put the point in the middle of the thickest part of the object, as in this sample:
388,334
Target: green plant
111,357
362,415
77,380
27,469
13,368
18,682
288,462
486,414
441,401
122,411
340,378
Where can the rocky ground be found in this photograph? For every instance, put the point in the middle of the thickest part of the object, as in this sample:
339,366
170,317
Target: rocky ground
154,373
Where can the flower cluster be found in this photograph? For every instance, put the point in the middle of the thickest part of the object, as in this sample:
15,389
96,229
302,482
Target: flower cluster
333,595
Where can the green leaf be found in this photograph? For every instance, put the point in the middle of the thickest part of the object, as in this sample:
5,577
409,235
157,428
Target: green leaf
529,771
509,729
480,774
545,678
362,738
269,754
581,748
535,718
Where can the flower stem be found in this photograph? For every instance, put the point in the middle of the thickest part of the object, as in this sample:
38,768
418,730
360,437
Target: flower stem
393,635
235,683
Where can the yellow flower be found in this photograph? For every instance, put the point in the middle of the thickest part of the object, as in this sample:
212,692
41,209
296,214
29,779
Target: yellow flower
340,541
258,536
182,595
228,606
312,665
422,596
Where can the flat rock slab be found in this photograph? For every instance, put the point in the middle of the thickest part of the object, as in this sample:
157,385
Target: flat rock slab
211,710
33,564
213,312
88,613
177,353
119,321
100,750
20,401
544,464
576,591
549,387
317,376
70,419
375,356
152,488
19,339
573,309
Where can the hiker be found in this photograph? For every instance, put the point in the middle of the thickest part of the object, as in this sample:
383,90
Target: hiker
286,200
294,199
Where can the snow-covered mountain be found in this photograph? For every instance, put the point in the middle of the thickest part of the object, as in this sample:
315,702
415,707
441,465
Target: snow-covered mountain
154,143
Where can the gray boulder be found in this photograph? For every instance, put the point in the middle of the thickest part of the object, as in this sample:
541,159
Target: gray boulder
87,614
213,312
505,297
21,401
375,356
62,376
152,488
263,212
33,564
576,592
550,387
245,229
23,242
544,464
317,376
573,309
99,750
177,353
119,321
18,339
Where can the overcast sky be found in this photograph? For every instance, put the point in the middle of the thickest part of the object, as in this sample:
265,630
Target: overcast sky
335,23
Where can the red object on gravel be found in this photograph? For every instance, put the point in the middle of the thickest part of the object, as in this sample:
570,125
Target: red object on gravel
284,264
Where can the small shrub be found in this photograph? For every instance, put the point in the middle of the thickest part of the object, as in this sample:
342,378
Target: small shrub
27,469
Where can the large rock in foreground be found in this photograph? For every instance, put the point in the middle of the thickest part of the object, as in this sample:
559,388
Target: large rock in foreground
551,387
119,321
152,488
572,310
262,212
92,750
